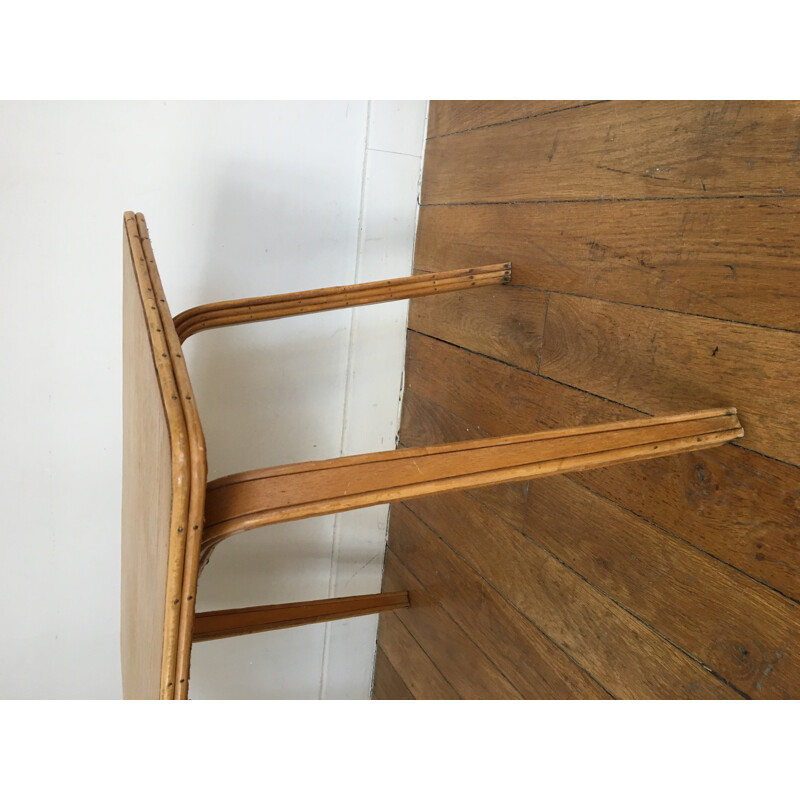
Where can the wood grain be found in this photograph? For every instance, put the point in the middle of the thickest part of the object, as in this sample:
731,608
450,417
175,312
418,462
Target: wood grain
625,655
502,322
498,397
662,237
728,258
658,360
256,619
419,673
462,663
738,505
256,309
251,499
187,470
741,629
190,529
147,501
387,683
532,661
425,422
622,149
460,115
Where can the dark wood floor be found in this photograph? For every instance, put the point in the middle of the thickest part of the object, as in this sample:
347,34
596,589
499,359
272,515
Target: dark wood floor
656,269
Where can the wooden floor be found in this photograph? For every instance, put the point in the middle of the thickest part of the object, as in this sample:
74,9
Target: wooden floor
656,269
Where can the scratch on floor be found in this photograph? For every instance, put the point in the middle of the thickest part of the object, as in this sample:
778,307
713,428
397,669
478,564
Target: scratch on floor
611,169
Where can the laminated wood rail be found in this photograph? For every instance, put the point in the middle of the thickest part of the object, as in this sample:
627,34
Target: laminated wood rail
172,518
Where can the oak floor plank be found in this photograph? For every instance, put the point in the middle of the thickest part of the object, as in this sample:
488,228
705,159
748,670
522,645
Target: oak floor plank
504,322
464,665
735,504
497,396
622,149
738,505
626,656
537,667
450,116
424,423
388,685
413,665
728,258
743,630
660,360
662,240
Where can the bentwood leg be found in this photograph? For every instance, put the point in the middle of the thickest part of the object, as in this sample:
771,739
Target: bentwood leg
255,309
252,499
238,621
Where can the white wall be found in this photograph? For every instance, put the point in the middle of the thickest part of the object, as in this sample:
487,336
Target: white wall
241,199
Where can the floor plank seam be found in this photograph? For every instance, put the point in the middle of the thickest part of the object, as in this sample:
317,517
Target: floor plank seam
427,654
672,534
513,605
703,600
551,201
736,443
527,371
616,602
397,672
455,622
654,308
